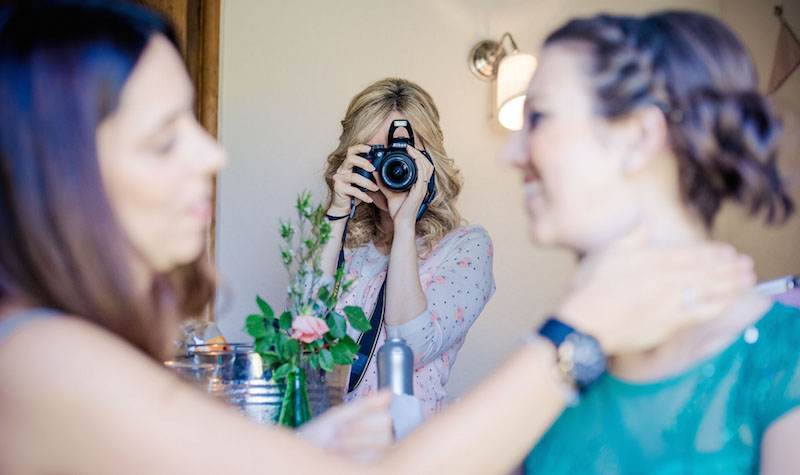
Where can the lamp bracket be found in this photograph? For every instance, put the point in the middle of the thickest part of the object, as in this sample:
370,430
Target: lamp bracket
486,55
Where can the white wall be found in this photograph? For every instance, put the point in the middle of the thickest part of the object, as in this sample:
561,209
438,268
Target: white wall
288,71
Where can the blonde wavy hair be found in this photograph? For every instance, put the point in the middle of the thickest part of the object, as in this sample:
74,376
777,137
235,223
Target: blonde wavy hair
366,112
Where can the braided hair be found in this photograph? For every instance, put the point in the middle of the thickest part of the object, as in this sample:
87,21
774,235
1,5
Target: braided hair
721,128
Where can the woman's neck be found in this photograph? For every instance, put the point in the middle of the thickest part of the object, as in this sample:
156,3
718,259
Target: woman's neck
676,225
693,345
143,276
673,225
667,221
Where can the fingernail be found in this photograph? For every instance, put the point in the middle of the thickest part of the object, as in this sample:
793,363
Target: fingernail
727,251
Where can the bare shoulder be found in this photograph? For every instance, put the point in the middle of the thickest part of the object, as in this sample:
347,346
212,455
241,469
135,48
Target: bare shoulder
71,345
67,384
87,366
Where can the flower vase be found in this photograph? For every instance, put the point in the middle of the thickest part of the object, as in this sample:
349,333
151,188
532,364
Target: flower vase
295,408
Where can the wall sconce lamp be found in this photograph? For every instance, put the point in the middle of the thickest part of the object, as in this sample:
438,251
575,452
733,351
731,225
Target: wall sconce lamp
488,60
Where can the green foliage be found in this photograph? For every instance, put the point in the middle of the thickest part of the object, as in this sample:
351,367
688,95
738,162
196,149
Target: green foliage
290,348
313,360
342,354
357,319
337,324
280,339
265,342
270,358
315,345
301,250
324,294
285,321
326,360
351,344
266,310
282,371
256,326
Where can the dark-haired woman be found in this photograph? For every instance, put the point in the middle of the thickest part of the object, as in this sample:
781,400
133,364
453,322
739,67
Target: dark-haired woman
104,194
659,118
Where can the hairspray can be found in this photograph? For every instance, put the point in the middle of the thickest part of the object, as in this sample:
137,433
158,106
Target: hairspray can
396,366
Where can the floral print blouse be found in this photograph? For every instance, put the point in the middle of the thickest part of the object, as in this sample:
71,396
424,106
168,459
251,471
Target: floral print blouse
457,280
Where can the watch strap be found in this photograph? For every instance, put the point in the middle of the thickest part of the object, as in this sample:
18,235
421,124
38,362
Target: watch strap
555,331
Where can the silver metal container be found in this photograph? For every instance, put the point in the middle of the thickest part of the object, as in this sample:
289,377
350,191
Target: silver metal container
239,380
396,366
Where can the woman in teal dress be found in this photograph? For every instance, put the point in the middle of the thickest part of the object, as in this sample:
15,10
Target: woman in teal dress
658,119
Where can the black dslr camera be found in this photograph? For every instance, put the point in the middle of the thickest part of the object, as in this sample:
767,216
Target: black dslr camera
397,169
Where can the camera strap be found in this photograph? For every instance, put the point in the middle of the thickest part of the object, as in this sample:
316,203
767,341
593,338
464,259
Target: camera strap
368,340
431,190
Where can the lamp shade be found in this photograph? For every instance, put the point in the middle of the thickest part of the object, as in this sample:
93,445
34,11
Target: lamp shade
514,73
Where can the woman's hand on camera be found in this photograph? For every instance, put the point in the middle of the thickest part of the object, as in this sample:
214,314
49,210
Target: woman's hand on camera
403,206
635,296
345,181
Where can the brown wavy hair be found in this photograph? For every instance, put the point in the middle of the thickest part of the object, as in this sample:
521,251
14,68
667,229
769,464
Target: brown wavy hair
722,129
63,66
366,112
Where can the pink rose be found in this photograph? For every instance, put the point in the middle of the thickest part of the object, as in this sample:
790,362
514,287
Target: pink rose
306,328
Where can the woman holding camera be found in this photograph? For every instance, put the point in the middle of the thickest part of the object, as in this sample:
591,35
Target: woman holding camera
437,272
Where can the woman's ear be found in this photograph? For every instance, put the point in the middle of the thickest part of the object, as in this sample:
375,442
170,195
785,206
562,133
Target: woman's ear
648,128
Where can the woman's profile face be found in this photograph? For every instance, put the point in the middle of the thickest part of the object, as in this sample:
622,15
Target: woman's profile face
157,162
575,190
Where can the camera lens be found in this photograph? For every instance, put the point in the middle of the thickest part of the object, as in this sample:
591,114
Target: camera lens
398,172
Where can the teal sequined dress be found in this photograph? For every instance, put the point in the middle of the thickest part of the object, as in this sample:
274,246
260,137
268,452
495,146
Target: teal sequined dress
708,419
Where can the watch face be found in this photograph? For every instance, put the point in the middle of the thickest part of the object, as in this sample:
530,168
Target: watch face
587,358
